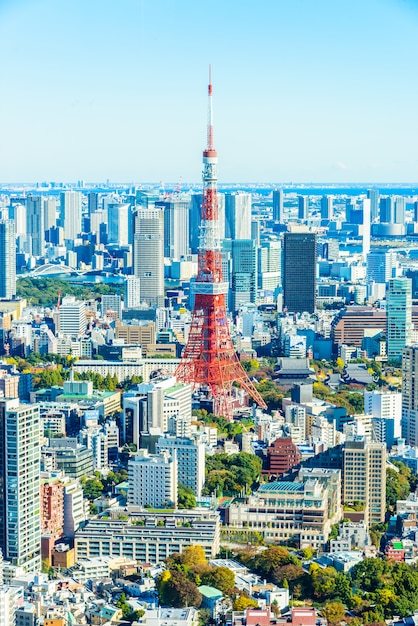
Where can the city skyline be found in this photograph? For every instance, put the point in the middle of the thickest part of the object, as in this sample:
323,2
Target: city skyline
304,92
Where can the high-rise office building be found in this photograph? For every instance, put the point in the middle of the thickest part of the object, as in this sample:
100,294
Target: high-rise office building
35,225
70,214
299,272
410,394
238,215
400,207
50,212
366,227
269,266
386,408
373,195
243,277
20,523
327,207
132,292
399,316
118,223
364,477
381,266
92,202
387,210
148,254
303,207
176,227
72,317
278,205
7,260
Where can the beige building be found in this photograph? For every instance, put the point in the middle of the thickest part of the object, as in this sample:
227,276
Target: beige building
364,480
281,511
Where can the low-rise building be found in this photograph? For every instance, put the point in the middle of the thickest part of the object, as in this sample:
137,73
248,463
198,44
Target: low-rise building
148,536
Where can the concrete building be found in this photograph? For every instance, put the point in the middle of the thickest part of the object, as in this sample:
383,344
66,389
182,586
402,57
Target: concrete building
176,227
119,223
364,480
410,395
132,292
148,254
70,214
152,479
386,408
7,260
20,523
238,215
149,537
72,317
190,456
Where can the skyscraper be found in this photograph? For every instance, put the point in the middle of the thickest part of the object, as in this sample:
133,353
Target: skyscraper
50,212
20,524
238,215
303,207
327,207
299,272
176,227
387,210
244,273
381,266
148,254
269,266
118,222
373,195
35,225
7,260
366,228
410,394
399,316
278,205
70,214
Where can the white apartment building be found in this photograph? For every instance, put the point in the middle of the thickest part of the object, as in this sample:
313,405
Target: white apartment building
72,317
152,479
190,460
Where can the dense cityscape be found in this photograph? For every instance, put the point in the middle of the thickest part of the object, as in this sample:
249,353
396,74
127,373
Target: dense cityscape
208,408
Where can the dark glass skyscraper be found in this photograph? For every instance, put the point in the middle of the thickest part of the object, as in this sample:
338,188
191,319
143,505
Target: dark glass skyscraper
299,272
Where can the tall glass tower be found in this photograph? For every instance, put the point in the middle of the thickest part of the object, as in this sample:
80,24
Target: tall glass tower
399,316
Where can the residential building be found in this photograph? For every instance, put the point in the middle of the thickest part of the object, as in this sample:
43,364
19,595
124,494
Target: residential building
152,479
386,408
410,394
190,456
303,207
282,455
299,272
7,260
364,480
35,225
399,316
132,292
70,214
20,523
327,207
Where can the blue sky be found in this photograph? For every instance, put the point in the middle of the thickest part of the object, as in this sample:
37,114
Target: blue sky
304,90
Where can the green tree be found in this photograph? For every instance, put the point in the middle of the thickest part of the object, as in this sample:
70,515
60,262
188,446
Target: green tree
177,591
334,612
220,577
185,497
92,488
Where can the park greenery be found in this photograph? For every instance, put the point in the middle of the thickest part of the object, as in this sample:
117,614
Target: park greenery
44,291
230,475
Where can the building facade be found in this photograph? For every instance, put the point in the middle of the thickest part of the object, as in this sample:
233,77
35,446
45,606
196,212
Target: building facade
299,272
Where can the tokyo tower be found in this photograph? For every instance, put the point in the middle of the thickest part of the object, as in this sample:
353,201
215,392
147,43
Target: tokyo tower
209,359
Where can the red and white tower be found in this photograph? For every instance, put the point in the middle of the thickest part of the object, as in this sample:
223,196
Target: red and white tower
209,359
